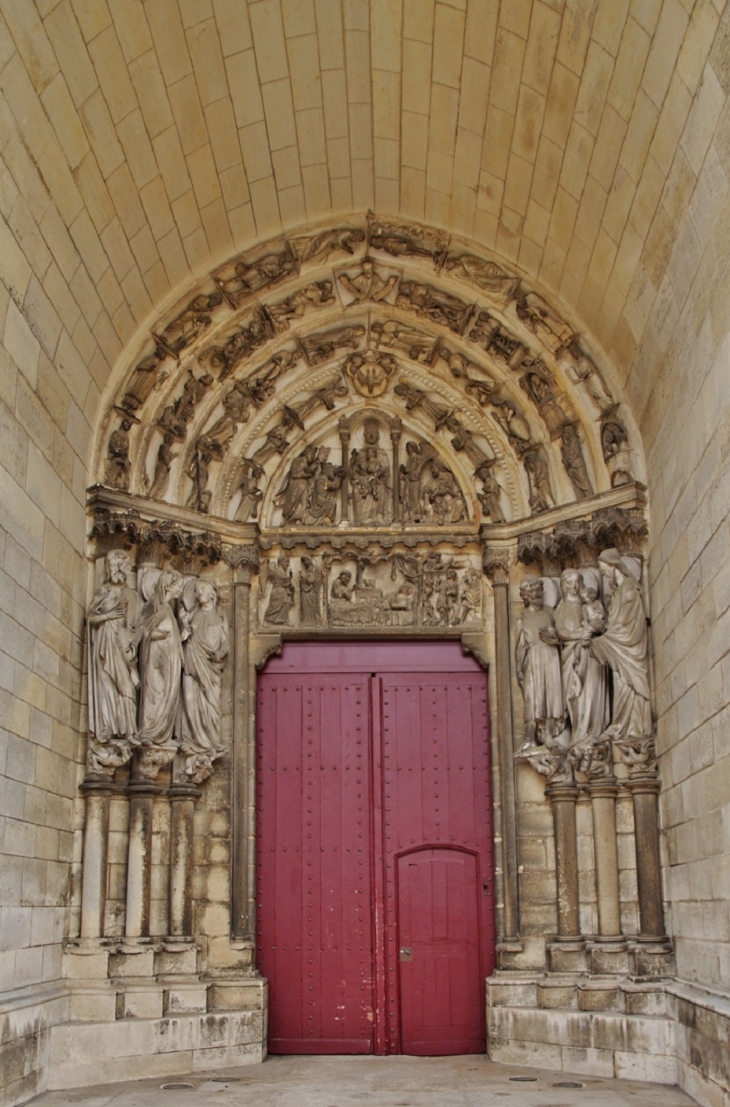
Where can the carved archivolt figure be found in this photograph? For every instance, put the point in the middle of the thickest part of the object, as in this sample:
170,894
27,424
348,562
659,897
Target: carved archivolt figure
574,462
165,458
541,494
160,664
370,372
117,466
317,294
309,248
486,274
625,649
489,497
401,336
113,621
537,657
537,314
367,284
281,597
204,634
176,416
251,494
198,471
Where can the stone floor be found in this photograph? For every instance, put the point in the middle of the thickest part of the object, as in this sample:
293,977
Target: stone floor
373,1082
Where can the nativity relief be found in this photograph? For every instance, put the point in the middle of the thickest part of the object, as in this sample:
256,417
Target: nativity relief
374,589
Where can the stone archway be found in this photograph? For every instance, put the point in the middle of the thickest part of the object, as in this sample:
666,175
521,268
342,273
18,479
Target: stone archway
367,428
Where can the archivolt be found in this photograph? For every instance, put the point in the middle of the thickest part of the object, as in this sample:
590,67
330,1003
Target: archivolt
280,344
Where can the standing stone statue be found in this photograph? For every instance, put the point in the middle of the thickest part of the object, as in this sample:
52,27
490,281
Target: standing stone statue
204,635
282,591
574,462
160,665
165,458
537,657
310,587
370,478
625,649
577,620
118,464
113,622
293,495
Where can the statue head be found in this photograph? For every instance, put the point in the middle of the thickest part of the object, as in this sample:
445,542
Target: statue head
169,586
588,592
371,432
612,565
118,566
531,591
206,593
570,581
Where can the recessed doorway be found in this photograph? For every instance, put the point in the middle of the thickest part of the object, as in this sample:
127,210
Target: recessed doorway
375,902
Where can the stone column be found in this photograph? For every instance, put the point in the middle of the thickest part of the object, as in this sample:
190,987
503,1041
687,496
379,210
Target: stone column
344,429
496,565
141,794
644,790
567,950
396,428
182,805
243,561
603,808
98,795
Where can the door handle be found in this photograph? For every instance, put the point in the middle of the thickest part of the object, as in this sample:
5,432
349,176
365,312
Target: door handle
405,953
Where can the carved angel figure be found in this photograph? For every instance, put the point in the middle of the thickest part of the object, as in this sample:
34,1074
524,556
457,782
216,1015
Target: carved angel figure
320,246
367,284
160,664
113,624
537,658
204,635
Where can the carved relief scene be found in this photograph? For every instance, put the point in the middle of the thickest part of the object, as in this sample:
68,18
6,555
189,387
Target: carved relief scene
374,588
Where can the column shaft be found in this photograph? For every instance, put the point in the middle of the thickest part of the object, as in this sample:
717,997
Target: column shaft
240,922
648,870
182,805
139,859
96,841
603,808
563,799
506,740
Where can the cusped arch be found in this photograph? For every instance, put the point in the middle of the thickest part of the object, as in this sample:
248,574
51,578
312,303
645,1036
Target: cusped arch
369,314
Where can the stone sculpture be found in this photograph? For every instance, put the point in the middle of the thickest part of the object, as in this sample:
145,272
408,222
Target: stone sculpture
192,321
176,416
434,304
369,473
367,284
490,494
485,274
406,240
147,376
198,472
239,345
616,452
320,246
541,493
539,317
411,477
574,462
118,465
317,294
281,597
204,637
417,344
578,617
310,587
321,506
370,372
324,345
165,458
537,658
294,492
250,276
624,647
251,494
585,372
443,494
113,626
160,658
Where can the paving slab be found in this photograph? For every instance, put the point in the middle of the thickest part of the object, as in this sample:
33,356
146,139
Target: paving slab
373,1082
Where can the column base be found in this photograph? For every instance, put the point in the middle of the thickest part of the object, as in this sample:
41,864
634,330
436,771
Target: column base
567,954
652,957
608,955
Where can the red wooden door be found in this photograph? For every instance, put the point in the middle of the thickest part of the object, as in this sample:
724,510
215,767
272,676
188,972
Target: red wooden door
374,819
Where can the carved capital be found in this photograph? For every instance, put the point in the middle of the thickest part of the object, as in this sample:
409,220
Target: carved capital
639,755
554,763
594,758
241,557
497,563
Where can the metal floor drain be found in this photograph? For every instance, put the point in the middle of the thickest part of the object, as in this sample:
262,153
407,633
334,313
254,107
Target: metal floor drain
177,1087
524,1079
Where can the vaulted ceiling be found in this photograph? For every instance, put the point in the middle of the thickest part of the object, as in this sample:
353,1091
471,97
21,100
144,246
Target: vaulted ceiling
145,141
